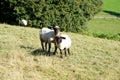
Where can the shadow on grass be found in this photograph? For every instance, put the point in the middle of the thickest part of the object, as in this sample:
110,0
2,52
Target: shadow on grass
34,52
112,13
38,52
26,47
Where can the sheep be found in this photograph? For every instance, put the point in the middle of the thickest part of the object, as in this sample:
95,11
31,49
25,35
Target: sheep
63,42
47,36
23,22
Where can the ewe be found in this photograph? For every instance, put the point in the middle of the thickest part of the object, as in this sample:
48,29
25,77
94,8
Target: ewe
63,42
47,36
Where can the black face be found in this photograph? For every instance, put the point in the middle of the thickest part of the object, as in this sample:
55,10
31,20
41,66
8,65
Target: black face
59,39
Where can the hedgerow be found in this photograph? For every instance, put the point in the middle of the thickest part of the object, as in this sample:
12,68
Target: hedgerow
71,15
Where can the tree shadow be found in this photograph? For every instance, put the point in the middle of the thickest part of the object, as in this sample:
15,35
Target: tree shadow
112,13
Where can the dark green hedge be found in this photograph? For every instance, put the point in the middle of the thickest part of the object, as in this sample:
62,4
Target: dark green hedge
68,14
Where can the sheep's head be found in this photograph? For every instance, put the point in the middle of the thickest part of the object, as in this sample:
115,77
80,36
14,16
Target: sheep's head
57,30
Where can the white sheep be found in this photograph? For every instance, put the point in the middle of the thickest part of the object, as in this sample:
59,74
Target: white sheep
47,36
63,42
23,22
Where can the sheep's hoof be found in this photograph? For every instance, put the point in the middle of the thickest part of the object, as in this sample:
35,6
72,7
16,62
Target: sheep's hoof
54,53
48,53
61,56
65,54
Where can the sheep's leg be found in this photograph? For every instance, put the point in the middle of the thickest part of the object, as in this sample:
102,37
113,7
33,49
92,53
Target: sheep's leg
45,45
65,52
68,51
42,45
49,48
55,50
61,53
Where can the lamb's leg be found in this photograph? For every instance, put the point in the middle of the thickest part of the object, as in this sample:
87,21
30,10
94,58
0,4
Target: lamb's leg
65,52
55,50
61,53
68,51
49,48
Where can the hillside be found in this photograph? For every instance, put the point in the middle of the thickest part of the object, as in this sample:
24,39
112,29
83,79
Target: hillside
21,57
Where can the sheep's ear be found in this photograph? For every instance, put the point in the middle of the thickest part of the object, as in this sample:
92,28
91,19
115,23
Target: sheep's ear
63,37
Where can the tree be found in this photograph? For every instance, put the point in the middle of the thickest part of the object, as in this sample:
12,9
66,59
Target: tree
70,15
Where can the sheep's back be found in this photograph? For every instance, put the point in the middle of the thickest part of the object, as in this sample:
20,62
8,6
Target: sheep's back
46,34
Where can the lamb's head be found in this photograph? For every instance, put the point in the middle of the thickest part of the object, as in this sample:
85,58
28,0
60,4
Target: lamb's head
58,39
57,30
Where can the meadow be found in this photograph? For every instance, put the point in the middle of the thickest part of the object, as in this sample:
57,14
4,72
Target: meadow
110,8
21,57
106,24
111,5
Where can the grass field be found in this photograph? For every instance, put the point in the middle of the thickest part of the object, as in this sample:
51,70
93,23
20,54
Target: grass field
111,5
104,25
91,58
21,57
106,21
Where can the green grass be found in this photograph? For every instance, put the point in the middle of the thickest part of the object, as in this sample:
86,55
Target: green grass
106,23
111,5
91,58
108,26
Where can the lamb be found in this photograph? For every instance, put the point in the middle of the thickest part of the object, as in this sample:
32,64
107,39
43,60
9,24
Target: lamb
47,36
63,42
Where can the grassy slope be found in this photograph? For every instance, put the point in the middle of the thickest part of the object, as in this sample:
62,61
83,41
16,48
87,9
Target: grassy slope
91,59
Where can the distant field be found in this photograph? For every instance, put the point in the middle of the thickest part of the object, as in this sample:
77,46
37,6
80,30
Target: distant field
111,26
21,57
111,5
107,20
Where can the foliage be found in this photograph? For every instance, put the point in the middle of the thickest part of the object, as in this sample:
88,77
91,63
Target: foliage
69,14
